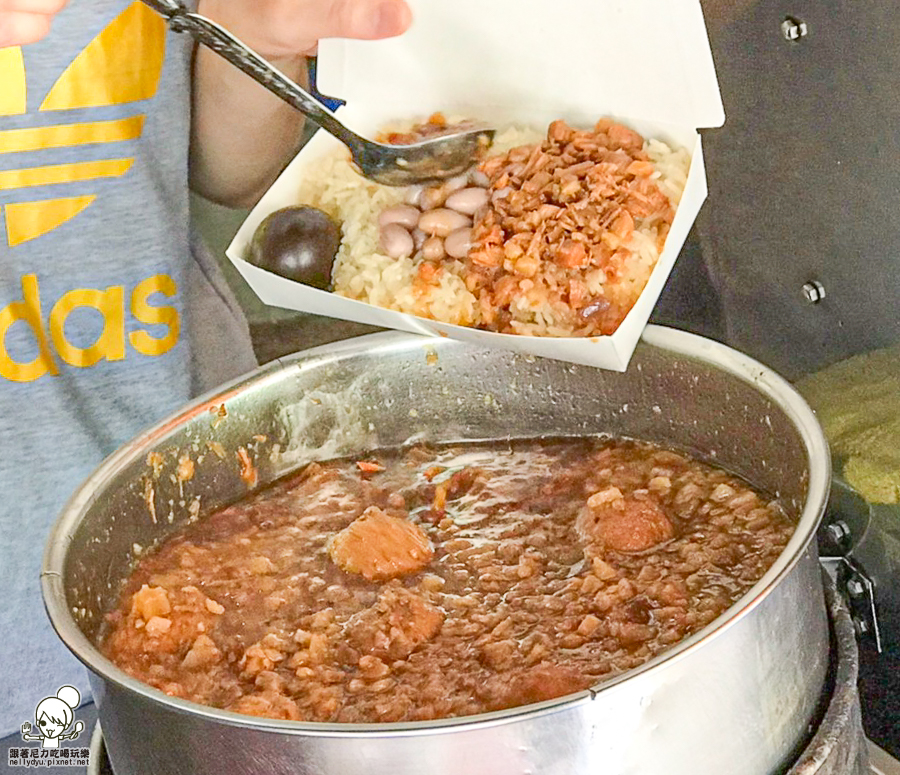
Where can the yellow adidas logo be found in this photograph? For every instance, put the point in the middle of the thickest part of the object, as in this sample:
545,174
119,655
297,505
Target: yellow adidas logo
112,303
121,65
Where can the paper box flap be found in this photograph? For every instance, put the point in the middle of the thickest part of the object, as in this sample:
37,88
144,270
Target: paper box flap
645,59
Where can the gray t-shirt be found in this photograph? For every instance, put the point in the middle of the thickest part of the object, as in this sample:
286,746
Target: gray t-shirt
101,296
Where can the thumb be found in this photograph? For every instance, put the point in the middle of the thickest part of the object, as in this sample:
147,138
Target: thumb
367,19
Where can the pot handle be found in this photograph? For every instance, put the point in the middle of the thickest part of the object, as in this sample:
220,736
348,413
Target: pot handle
853,551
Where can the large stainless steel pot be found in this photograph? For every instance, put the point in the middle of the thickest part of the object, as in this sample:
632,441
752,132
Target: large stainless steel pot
738,697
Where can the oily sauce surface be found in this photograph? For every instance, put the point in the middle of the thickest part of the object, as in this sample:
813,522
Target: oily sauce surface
434,582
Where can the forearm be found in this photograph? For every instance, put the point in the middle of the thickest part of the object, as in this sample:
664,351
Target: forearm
241,134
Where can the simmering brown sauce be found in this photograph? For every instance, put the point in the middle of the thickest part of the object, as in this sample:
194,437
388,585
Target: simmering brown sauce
428,583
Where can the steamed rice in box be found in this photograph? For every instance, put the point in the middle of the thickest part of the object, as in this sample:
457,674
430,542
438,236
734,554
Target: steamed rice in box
572,224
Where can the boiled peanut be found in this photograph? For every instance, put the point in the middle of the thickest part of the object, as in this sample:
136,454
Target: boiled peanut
413,194
396,241
433,249
440,222
432,196
478,178
456,183
419,238
459,242
406,215
467,200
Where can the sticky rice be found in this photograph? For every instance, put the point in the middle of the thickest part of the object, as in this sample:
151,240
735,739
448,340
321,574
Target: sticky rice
362,270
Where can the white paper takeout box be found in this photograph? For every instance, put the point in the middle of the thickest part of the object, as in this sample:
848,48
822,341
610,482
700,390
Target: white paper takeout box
523,62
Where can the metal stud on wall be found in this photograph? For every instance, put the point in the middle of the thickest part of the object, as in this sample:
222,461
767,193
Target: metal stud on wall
793,29
813,291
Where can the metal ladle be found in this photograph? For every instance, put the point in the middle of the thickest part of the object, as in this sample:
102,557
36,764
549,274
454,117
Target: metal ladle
392,165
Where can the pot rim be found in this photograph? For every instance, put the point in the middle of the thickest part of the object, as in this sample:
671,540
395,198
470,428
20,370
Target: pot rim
673,341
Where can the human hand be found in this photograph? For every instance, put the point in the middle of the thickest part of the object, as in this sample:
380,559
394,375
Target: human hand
26,21
242,135
73,735
26,732
283,29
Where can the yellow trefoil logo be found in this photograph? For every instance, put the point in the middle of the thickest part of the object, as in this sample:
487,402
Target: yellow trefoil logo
121,65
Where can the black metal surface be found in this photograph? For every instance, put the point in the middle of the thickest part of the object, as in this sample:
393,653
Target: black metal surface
802,179
879,689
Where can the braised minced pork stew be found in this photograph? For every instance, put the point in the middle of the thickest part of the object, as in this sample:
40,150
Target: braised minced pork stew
435,582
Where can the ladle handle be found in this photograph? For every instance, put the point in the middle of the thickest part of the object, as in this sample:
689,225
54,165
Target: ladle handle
226,45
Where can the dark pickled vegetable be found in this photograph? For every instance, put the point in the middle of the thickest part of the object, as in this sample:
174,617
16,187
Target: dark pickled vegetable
298,243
